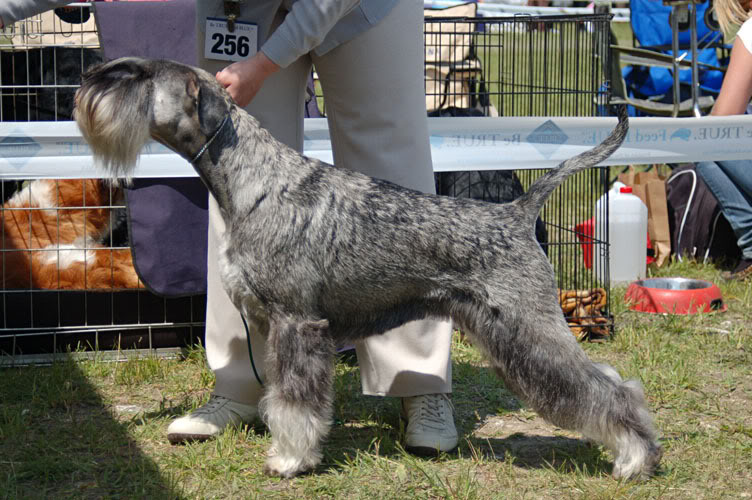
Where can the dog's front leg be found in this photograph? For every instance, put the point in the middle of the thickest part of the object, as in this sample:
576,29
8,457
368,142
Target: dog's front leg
297,405
237,289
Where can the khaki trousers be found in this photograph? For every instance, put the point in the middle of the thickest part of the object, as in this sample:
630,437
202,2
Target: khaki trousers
373,86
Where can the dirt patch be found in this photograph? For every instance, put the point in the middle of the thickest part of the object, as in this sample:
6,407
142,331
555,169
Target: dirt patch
508,425
532,442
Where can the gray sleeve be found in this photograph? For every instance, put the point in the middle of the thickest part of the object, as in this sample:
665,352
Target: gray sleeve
15,10
305,27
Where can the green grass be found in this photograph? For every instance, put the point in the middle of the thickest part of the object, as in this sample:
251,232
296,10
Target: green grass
96,429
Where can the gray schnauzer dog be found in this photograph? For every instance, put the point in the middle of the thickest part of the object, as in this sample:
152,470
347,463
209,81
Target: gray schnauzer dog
315,256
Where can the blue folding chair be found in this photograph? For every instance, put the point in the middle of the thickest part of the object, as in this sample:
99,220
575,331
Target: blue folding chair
650,79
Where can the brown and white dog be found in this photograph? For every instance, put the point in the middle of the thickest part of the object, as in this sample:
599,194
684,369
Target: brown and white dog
54,234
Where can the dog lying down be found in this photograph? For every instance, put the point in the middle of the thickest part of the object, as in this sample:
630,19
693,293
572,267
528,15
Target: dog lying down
315,256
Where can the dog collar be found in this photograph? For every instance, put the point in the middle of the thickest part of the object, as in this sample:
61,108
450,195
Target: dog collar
211,139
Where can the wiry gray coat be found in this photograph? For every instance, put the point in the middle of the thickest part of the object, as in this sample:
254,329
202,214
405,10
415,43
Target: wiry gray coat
315,256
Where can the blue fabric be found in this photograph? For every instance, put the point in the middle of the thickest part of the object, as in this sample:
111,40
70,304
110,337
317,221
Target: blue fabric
651,81
652,29
731,183
650,23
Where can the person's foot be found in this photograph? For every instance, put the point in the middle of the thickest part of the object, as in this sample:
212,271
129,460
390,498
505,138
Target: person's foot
210,420
741,272
430,424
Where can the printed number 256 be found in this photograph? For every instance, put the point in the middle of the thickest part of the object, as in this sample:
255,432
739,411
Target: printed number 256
231,44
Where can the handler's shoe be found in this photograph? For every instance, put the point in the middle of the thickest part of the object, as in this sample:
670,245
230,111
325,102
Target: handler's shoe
210,420
430,424
742,272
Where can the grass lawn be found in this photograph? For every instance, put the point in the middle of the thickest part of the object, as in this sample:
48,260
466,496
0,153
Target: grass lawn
96,429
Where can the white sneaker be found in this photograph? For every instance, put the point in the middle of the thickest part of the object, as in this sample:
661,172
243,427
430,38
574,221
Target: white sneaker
210,420
430,424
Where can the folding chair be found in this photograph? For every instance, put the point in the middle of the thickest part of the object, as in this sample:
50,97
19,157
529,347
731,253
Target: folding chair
658,104
648,74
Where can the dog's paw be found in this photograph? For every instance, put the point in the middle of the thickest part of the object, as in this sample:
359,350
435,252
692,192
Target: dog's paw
285,467
638,466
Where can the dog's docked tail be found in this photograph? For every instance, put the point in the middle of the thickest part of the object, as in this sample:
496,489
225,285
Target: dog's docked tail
532,201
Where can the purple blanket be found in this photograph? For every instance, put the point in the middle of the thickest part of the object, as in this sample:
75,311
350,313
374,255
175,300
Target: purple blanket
167,218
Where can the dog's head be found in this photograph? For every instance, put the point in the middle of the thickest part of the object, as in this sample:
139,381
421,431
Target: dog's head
123,103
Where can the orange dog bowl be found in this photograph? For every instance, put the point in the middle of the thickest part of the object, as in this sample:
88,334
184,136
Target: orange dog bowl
675,296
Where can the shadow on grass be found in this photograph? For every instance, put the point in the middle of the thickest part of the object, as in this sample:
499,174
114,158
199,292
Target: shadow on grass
525,450
369,424
531,451
59,440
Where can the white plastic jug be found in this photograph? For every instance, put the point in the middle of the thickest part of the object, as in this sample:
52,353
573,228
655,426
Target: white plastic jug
627,234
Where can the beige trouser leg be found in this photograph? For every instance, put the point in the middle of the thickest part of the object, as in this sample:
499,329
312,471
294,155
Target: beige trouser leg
392,135
375,104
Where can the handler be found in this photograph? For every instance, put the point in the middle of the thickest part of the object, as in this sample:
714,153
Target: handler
369,58
731,181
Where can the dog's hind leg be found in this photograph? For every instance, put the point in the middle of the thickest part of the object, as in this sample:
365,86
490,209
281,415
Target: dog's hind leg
541,362
297,405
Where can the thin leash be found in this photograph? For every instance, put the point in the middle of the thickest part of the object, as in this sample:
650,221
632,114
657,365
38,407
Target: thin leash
245,324
250,351
211,139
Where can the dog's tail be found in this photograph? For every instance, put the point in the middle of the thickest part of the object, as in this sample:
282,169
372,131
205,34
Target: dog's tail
532,201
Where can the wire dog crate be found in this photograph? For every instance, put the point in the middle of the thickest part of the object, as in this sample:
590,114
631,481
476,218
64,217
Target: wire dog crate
68,280
517,66
532,66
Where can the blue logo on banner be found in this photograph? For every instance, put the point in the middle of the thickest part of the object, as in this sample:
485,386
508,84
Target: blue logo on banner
682,133
436,141
18,150
547,138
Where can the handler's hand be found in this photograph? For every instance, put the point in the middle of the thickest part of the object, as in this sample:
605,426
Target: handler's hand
244,79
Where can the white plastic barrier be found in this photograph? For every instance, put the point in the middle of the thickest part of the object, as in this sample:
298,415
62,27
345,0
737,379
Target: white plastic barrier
514,8
57,150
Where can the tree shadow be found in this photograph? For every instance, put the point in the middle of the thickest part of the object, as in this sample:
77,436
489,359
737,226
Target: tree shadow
59,439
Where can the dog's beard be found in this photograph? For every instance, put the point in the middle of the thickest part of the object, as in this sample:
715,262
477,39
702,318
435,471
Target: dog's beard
115,131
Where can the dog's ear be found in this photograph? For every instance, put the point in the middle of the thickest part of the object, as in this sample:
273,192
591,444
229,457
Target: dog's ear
212,107
192,88
192,94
